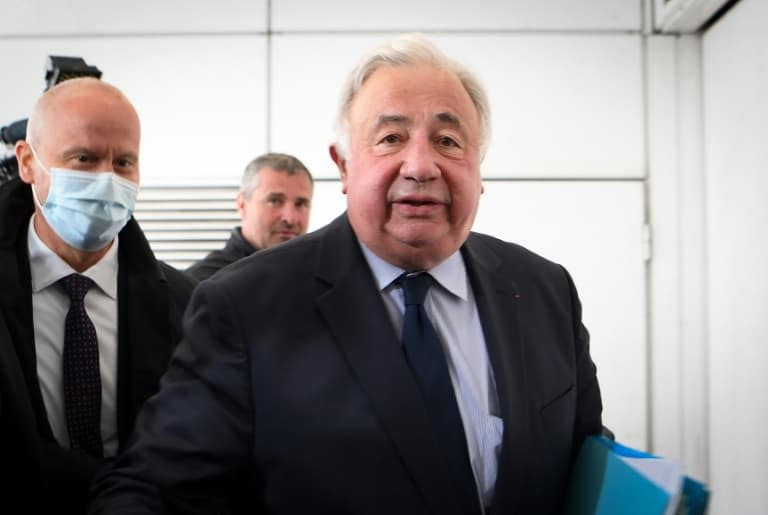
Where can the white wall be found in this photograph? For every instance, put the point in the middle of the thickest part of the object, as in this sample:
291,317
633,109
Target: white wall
735,66
677,345
707,185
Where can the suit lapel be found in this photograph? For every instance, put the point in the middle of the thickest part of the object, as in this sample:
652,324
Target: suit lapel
498,301
355,313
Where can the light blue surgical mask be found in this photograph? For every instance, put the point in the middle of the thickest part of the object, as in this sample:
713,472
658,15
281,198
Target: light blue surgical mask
87,209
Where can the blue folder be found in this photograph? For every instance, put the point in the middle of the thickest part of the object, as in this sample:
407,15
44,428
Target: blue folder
612,479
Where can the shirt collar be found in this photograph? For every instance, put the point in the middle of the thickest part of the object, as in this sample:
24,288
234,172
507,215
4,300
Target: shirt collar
46,267
451,273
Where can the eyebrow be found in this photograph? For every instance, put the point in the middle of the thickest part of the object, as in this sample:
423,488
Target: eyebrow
399,119
133,156
279,195
392,119
449,118
73,151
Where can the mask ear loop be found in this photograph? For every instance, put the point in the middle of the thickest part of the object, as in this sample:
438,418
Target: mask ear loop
34,191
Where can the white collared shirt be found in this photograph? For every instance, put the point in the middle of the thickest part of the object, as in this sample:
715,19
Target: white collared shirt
49,309
452,309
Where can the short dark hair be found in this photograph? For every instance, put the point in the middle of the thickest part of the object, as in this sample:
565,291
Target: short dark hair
275,160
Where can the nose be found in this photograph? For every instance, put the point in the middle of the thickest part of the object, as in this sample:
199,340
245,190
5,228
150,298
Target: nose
290,214
419,163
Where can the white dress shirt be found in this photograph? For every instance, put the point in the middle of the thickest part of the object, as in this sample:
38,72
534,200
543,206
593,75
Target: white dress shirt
49,309
451,307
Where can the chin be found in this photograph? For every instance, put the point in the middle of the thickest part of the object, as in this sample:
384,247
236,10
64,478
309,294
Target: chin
427,252
420,237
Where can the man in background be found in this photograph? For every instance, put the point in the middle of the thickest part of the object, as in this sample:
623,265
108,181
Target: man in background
274,202
88,317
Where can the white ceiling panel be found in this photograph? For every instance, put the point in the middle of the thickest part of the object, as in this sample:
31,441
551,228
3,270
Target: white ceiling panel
86,17
427,15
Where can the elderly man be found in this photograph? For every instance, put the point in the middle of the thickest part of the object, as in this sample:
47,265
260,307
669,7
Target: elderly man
88,317
274,201
390,362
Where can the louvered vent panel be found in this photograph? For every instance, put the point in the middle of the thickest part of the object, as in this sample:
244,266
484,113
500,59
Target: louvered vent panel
183,224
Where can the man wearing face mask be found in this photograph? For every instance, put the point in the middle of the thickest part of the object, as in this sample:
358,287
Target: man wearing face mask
88,316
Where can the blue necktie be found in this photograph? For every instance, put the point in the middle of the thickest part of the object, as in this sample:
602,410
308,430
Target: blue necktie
80,371
425,356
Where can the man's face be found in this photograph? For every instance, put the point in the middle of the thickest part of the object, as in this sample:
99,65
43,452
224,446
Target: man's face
88,130
85,127
277,210
412,179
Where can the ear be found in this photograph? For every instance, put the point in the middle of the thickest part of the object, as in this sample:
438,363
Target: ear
341,164
26,161
240,201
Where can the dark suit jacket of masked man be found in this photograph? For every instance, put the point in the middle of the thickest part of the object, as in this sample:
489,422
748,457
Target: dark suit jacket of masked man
45,478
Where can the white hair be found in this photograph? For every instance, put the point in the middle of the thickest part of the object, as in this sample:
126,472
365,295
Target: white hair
409,50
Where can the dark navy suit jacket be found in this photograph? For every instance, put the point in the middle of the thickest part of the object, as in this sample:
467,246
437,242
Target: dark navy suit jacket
290,389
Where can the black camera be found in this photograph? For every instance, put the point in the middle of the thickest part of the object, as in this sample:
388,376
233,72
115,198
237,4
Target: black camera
58,70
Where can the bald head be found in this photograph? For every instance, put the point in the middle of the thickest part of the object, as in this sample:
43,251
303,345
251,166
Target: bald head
67,95
81,124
